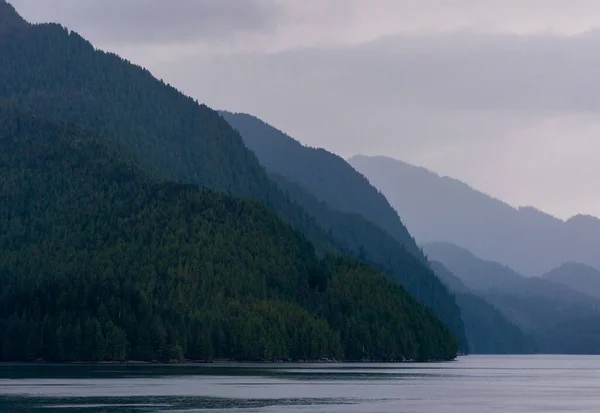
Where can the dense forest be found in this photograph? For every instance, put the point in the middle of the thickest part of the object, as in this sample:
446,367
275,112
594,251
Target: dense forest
53,72
101,261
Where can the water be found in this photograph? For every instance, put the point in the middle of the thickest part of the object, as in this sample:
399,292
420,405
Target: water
473,384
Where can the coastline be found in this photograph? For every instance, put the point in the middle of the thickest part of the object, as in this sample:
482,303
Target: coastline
225,362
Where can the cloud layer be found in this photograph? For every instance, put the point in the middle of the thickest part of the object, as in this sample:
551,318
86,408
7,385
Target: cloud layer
502,95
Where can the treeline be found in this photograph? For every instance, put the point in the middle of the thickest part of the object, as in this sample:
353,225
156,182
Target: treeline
100,261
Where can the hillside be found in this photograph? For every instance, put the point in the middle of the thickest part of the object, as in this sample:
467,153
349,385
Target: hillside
542,309
447,210
487,330
326,175
579,277
102,261
55,73
350,210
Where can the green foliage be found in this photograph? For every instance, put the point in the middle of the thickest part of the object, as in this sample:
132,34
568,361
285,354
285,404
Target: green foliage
101,261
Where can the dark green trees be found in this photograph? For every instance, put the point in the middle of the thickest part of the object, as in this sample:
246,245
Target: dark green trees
101,261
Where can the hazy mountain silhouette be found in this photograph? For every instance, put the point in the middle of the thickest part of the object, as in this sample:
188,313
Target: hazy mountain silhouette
546,310
326,175
579,277
445,209
488,330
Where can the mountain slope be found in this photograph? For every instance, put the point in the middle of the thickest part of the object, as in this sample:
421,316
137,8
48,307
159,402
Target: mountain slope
101,261
541,308
447,210
51,71
326,175
579,277
328,189
487,330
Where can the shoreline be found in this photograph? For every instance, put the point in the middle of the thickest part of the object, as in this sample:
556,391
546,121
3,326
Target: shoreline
223,362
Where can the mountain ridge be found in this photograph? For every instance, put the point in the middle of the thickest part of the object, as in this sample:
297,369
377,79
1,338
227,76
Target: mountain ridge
448,210
559,318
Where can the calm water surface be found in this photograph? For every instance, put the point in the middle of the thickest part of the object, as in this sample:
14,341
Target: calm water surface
477,384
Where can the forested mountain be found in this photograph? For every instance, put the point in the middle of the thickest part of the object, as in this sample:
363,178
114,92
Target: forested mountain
351,210
102,261
324,174
553,314
579,277
53,72
487,330
447,210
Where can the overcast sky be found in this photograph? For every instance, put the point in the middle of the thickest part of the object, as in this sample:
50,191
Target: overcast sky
502,94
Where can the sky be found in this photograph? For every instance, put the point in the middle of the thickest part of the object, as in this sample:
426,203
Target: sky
503,95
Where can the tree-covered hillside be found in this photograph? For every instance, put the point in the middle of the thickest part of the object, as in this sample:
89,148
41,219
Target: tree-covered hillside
53,72
101,261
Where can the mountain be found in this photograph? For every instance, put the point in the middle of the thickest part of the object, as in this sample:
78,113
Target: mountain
100,260
351,210
450,280
326,175
579,277
542,309
487,330
447,210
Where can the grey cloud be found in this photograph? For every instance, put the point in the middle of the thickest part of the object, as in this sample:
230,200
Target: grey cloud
475,72
143,21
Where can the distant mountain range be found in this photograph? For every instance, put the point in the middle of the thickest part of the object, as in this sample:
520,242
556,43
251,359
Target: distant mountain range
559,318
447,210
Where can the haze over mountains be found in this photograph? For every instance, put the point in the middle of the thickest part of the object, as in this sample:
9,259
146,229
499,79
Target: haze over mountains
447,210
560,319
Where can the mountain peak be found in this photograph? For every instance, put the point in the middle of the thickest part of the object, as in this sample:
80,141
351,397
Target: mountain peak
9,18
